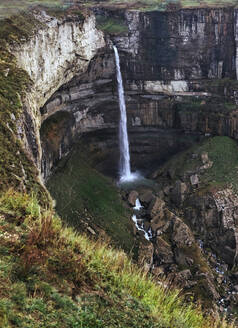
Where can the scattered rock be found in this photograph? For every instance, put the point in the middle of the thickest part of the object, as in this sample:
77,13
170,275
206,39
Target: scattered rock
91,230
159,271
166,190
171,172
6,72
204,157
206,166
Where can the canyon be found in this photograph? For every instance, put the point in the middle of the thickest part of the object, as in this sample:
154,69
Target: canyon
180,72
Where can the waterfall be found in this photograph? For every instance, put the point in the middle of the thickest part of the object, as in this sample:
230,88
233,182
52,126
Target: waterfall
138,205
124,168
140,225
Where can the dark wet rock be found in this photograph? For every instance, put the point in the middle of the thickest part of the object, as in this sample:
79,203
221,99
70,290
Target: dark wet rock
178,192
235,288
146,196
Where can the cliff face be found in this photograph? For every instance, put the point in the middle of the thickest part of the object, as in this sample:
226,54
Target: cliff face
184,45
58,50
179,71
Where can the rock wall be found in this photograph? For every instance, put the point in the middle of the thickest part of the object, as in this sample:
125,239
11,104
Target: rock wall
179,71
56,52
183,45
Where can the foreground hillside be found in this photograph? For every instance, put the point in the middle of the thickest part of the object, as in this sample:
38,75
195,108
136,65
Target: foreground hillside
52,277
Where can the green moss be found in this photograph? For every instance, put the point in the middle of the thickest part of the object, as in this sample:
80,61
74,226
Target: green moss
16,168
92,197
18,28
199,262
62,11
216,107
222,151
110,25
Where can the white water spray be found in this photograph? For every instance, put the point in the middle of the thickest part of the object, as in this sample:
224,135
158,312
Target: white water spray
125,167
140,226
138,205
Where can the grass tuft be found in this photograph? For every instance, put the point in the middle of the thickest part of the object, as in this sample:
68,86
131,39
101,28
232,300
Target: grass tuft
71,281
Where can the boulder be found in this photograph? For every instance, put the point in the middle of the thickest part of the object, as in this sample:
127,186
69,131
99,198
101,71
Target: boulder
146,197
160,223
181,279
156,207
163,251
182,235
181,258
133,195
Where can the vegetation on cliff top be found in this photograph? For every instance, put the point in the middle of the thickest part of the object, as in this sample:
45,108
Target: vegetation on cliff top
8,8
166,5
52,277
111,25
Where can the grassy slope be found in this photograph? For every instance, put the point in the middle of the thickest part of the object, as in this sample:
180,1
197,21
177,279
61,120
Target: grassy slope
51,277
92,196
222,151
163,5
111,25
14,83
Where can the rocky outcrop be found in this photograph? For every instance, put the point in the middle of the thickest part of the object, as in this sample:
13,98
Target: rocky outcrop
58,50
172,251
199,186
